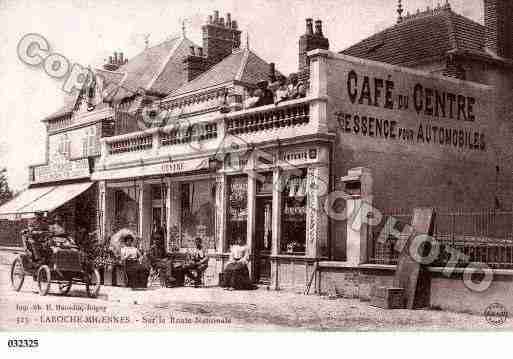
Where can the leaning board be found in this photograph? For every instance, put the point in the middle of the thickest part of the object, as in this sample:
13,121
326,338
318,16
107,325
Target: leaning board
407,272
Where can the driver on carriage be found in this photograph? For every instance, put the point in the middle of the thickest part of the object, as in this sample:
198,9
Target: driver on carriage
38,231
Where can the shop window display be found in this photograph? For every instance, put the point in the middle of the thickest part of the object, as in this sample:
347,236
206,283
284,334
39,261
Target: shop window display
294,196
198,213
237,209
126,209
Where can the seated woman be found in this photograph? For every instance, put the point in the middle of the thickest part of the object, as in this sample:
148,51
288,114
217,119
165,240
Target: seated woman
236,272
137,274
197,263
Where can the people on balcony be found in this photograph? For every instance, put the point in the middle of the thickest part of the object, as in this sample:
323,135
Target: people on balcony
281,93
267,95
296,88
281,90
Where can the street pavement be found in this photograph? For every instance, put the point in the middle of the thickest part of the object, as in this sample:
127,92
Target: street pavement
210,309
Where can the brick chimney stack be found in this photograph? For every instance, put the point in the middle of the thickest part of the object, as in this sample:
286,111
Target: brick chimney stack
498,16
220,37
308,42
194,64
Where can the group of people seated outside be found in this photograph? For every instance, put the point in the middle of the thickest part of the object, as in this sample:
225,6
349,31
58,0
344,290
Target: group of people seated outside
173,272
283,89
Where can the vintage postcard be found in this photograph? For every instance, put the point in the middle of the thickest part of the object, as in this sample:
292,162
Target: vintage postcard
255,165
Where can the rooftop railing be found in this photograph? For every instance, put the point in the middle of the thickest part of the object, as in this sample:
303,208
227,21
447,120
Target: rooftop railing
290,114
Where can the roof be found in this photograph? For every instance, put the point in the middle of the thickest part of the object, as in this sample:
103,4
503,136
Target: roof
243,65
422,37
156,70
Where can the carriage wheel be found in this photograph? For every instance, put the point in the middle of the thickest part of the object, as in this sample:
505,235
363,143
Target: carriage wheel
43,279
65,287
17,274
93,283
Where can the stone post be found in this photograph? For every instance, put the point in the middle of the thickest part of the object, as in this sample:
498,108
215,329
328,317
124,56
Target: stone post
358,185
221,209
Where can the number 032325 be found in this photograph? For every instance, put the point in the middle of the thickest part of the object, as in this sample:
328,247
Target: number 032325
22,343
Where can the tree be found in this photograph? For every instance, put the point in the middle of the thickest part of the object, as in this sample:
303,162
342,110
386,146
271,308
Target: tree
5,191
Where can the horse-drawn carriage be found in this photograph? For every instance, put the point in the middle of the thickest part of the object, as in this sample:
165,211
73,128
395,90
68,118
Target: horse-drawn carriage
50,258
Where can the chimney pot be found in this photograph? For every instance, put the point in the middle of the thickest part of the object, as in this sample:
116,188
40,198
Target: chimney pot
234,24
216,16
318,27
192,50
115,57
121,57
221,21
309,26
110,59
228,19
210,19
200,51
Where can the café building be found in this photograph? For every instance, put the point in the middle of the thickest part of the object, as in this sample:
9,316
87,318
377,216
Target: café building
385,122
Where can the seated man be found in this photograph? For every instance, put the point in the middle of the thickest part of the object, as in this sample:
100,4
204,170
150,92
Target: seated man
197,263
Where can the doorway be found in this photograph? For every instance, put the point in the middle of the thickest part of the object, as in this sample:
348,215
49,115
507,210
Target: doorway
263,239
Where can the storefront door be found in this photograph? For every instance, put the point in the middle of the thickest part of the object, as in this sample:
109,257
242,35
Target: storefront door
263,238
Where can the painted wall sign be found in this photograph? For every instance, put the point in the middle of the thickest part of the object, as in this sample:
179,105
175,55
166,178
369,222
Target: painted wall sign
58,171
394,104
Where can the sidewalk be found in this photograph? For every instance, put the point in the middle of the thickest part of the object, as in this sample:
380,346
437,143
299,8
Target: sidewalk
7,255
255,309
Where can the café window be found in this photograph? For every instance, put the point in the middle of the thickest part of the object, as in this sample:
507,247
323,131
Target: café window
126,209
294,200
237,209
198,213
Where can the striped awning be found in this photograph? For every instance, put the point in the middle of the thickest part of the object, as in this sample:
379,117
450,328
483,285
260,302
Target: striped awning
41,199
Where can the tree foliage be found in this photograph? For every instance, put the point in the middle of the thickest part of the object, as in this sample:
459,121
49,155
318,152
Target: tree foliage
5,191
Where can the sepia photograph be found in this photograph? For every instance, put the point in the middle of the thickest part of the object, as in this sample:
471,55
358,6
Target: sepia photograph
261,165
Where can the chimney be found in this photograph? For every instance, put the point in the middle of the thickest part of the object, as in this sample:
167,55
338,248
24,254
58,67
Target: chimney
309,27
498,15
220,38
318,27
272,72
308,42
194,64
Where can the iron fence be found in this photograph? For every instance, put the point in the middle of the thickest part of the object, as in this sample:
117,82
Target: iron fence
481,237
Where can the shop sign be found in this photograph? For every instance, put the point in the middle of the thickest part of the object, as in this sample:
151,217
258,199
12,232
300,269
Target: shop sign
184,166
59,171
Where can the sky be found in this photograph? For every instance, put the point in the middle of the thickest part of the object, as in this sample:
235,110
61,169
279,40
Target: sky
88,31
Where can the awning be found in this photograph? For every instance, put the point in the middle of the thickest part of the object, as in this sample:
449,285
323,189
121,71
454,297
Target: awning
41,199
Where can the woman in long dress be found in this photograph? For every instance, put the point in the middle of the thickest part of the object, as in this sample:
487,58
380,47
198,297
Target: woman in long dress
137,274
236,272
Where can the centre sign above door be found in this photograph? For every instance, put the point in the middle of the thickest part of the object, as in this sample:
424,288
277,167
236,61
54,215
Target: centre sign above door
154,169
